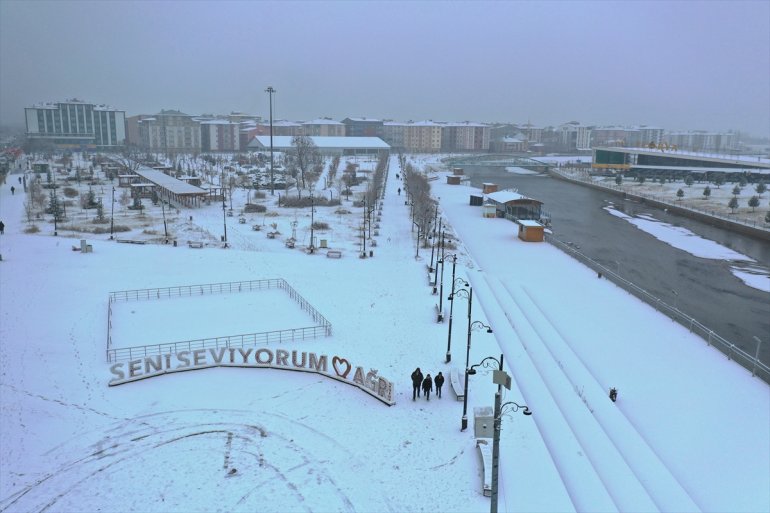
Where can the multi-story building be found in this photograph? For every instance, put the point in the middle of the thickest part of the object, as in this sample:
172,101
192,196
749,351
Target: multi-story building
363,127
423,137
220,135
583,138
532,133
650,134
76,124
393,134
465,136
171,131
324,127
701,141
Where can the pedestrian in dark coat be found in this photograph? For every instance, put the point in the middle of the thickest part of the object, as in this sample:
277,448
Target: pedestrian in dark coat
439,381
2,228
416,382
427,386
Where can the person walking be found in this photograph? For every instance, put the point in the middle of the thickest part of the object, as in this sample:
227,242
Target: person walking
439,381
399,191
416,382
13,189
2,228
427,386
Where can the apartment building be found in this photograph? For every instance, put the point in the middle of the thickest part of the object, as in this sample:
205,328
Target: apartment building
423,137
171,131
323,127
465,136
363,127
220,135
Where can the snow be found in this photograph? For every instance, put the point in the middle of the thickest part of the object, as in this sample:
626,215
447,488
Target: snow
689,431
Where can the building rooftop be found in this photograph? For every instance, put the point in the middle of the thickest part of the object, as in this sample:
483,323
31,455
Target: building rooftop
284,142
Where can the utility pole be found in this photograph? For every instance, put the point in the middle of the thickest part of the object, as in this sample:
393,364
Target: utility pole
270,91
112,214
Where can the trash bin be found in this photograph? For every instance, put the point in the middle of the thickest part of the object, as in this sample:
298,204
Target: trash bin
222,238
175,243
371,253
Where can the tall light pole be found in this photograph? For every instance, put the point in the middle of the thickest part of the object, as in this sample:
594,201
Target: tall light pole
270,91
312,222
501,378
112,214
224,214
499,412
451,306
471,324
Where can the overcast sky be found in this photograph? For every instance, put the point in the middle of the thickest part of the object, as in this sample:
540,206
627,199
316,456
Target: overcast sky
678,65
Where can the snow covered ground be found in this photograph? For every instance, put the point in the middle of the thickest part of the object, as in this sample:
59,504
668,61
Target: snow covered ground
689,431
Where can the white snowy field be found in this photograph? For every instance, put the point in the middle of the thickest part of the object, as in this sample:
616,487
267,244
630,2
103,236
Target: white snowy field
138,323
690,430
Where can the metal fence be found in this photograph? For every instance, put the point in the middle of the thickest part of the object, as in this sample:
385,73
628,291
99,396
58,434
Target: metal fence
323,327
583,176
732,352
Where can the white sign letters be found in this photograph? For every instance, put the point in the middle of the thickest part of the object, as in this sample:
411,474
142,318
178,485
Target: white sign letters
340,368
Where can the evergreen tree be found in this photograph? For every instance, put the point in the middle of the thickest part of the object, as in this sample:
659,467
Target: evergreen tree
742,182
754,202
736,190
618,179
680,194
688,180
706,192
100,211
760,188
733,204
719,180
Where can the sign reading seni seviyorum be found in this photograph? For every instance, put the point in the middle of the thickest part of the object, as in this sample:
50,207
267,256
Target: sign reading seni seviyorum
340,368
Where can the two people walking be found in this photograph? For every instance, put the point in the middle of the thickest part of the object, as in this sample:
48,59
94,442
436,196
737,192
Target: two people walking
425,383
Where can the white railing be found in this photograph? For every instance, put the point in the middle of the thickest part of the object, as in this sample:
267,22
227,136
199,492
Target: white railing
732,352
323,327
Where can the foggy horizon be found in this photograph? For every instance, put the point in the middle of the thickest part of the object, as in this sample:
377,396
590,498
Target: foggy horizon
673,65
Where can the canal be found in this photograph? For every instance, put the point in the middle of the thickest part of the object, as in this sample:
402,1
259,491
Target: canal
703,288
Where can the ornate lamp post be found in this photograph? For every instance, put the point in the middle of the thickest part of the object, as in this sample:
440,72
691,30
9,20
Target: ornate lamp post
451,306
471,325
501,378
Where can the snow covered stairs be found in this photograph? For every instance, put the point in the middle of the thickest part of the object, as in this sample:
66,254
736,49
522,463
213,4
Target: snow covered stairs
620,456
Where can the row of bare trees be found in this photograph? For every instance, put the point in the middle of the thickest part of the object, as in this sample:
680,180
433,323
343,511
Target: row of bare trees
422,204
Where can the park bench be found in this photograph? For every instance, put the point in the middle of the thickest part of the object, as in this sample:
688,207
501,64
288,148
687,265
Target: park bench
256,227
271,235
290,243
242,220
456,382
334,253
485,451
195,244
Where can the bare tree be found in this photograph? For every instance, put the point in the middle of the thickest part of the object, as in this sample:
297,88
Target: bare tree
305,155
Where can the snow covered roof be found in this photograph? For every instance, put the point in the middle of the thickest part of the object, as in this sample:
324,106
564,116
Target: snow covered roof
168,182
506,196
284,142
528,222
322,122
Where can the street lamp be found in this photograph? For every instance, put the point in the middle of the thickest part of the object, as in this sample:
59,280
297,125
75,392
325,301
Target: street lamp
224,216
270,91
451,306
112,214
471,325
500,410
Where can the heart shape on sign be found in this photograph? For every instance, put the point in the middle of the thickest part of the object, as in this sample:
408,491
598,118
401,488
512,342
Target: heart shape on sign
338,364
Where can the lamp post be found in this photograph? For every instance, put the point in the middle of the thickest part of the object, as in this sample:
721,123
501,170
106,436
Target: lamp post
270,91
112,214
312,222
224,216
471,324
451,307
499,412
